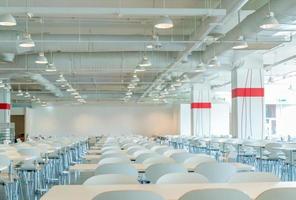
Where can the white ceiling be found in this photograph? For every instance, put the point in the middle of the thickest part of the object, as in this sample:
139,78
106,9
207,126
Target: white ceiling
96,45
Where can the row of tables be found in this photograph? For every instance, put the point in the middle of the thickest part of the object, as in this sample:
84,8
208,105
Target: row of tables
168,191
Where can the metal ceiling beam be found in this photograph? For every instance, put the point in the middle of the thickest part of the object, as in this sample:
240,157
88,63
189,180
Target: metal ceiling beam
250,26
94,12
206,27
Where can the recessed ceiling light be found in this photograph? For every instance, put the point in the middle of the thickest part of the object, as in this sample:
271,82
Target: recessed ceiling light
164,23
7,20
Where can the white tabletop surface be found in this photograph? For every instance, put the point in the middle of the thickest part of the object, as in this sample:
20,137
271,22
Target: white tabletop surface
169,192
142,168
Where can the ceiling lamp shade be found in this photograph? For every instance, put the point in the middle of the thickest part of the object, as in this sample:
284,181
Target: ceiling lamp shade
27,94
140,69
26,41
41,59
51,68
145,62
240,44
7,20
214,62
270,22
164,23
19,93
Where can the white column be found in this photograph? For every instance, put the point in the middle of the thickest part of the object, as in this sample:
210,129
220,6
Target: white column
201,110
248,108
5,107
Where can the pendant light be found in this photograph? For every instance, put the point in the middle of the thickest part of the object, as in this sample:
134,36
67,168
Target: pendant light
139,69
7,20
41,59
214,62
50,67
26,40
145,62
269,22
164,22
240,44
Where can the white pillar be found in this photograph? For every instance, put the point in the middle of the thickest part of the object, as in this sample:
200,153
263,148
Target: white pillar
5,107
248,108
201,110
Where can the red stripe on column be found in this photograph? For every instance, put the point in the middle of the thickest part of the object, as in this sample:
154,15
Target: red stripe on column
5,106
201,105
248,92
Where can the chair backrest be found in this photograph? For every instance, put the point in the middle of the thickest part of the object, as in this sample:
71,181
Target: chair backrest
117,168
114,160
154,172
112,151
156,160
109,148
162,149
278,194
139,152
132,150
216,172
170,152
180,157
215,194
193,162
128,195
4,162
142,157
112,155
106,179
182,178
247,177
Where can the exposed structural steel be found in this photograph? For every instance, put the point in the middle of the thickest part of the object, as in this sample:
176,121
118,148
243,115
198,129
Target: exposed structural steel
206,27
87,11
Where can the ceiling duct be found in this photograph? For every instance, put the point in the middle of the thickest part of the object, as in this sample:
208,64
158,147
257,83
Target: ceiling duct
47,84
6,57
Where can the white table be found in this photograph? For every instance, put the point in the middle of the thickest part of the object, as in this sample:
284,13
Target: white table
142,168
169,192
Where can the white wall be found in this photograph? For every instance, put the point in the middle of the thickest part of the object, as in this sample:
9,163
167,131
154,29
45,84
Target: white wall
102,119
185,119
220,116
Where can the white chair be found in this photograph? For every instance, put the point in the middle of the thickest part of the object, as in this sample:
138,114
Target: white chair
142,157
139,152
110,179
128,195
112,152
4,162
180,157
170,152
161,149
278,194
114,160
247,177
154,172
112,155
117,168
193,162
215,194
113,148
216,172
182,178
156,160
132,150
